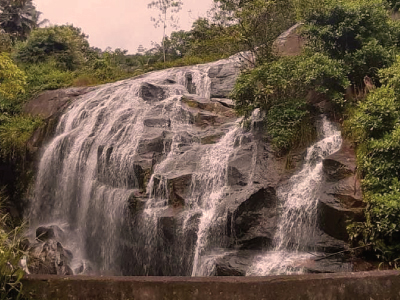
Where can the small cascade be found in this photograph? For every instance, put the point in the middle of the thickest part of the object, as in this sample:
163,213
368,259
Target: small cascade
299,198
207,190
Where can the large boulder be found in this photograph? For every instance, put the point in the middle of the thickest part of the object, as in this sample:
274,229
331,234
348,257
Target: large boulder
341,164
50,103
290,42
341,198
255,220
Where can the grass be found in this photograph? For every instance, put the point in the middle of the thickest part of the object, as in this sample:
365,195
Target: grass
10,255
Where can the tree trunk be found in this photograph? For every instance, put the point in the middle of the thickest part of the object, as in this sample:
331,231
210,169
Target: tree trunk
163,40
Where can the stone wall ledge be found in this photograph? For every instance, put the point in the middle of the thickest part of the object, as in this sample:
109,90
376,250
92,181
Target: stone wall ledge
376,285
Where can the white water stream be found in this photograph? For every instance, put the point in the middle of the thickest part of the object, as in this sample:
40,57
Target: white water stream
299,198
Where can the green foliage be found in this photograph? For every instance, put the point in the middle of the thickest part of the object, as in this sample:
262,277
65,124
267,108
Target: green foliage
66,45
14,135
289,78
303,7
376,116
375,126
359,32
47,76
289,125
12,86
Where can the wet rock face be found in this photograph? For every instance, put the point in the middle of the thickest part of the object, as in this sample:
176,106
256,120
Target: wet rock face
341,199
151,93
223,78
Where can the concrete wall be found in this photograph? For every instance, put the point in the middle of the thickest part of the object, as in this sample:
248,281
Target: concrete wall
384,285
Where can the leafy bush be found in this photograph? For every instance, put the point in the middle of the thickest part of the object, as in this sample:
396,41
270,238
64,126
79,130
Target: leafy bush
289,78
377,115
11,77
289,125
375,126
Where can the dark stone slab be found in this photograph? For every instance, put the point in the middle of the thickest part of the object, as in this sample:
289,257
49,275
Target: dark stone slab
382,285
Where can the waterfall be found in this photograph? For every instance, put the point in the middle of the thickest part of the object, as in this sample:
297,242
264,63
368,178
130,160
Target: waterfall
105,178
299,199
154,176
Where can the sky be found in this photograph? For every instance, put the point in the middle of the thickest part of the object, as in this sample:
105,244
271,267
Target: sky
122,24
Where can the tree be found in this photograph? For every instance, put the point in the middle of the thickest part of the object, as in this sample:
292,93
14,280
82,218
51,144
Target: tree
359,32
212,37
167,9
141,49
18,18
258,23
64,44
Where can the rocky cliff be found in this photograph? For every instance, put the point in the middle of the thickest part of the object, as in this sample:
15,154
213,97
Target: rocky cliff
155,176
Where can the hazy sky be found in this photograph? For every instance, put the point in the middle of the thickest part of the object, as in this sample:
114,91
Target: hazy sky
117,23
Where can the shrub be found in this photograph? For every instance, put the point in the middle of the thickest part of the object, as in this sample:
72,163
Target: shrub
11,77
377,115
14,135
289,125
47,76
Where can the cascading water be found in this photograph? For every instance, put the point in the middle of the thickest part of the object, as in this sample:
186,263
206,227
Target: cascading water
143,178
94,177
211,178
299,198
